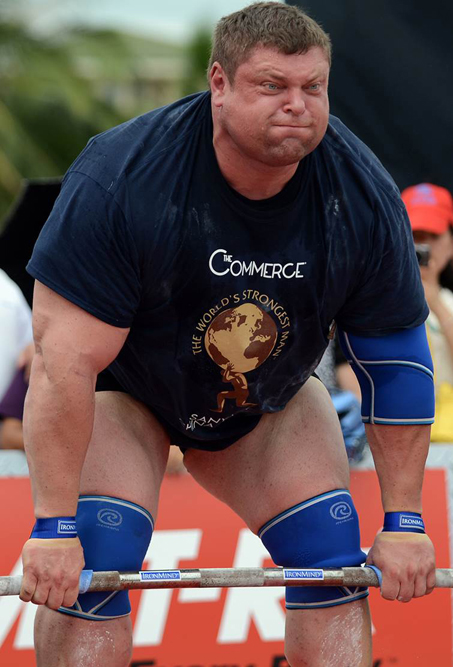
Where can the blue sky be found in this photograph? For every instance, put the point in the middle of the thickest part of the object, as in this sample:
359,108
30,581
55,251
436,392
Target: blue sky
168,19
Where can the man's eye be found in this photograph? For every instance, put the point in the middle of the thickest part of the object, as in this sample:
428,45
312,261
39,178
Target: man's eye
271,86
315,86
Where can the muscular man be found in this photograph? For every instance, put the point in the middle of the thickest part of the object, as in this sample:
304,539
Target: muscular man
231,227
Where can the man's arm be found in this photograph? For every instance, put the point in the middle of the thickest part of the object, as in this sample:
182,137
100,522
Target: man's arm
72,347
406,559
396,379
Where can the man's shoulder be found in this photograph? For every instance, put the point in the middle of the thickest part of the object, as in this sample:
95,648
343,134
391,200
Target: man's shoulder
111,156
357,158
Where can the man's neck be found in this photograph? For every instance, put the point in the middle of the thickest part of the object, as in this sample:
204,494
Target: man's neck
250,178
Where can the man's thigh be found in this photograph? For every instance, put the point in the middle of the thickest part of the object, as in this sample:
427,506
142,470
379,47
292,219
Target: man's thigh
289,457
128,452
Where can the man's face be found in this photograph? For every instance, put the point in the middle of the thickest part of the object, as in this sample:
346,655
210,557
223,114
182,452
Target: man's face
277,109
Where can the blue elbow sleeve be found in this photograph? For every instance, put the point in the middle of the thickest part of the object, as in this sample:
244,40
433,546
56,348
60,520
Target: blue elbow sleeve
395,373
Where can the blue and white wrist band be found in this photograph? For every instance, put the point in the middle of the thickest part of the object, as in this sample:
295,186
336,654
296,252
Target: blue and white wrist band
403,522
59,526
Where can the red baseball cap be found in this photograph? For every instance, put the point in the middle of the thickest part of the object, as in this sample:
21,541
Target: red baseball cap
430,207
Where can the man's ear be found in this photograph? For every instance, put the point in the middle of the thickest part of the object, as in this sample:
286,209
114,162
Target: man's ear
219,84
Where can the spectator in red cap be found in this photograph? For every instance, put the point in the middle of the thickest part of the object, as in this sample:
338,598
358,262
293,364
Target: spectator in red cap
430,210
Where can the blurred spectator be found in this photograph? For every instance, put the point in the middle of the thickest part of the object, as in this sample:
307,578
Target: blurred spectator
16,349
11,413
430,210
345,377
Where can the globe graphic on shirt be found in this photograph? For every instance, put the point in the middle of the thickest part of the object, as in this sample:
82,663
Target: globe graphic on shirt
241,338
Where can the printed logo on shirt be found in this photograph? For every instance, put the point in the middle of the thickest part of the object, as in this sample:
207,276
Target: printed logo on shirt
249,317
239,333
200,420
221,263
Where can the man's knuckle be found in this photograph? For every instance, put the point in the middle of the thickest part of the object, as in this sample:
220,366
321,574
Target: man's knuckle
58,580
53,605
388,593
392,572
411,570
25,596
389,596
69,599
39,599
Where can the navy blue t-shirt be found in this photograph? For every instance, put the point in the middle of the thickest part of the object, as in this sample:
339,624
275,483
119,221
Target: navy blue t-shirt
229,301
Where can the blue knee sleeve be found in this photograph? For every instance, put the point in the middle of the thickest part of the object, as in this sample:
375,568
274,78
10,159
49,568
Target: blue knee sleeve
321,532
395,373
115,535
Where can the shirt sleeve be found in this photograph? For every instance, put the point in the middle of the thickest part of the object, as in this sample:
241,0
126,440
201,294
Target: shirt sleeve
388,295
87,253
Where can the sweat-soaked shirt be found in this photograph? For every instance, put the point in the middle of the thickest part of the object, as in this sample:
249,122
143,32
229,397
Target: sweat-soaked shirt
229,301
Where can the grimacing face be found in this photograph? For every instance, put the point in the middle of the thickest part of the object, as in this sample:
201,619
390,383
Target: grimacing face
277,109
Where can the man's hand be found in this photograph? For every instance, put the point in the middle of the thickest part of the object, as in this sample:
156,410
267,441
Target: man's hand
407,563
51,571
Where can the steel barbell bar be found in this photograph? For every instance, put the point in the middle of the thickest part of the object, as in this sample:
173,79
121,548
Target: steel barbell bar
225,578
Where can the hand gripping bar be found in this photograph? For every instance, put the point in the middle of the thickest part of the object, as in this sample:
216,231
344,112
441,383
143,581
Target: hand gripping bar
226,578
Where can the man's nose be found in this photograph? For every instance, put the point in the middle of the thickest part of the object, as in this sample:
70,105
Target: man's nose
295,102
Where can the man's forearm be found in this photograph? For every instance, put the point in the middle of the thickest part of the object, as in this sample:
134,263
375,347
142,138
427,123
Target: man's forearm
58,423
399,454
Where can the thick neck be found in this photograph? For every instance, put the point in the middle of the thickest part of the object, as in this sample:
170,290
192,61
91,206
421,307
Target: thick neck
250,178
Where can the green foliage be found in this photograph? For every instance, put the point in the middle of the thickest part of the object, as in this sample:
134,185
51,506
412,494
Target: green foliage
57,92
198,53
47,109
